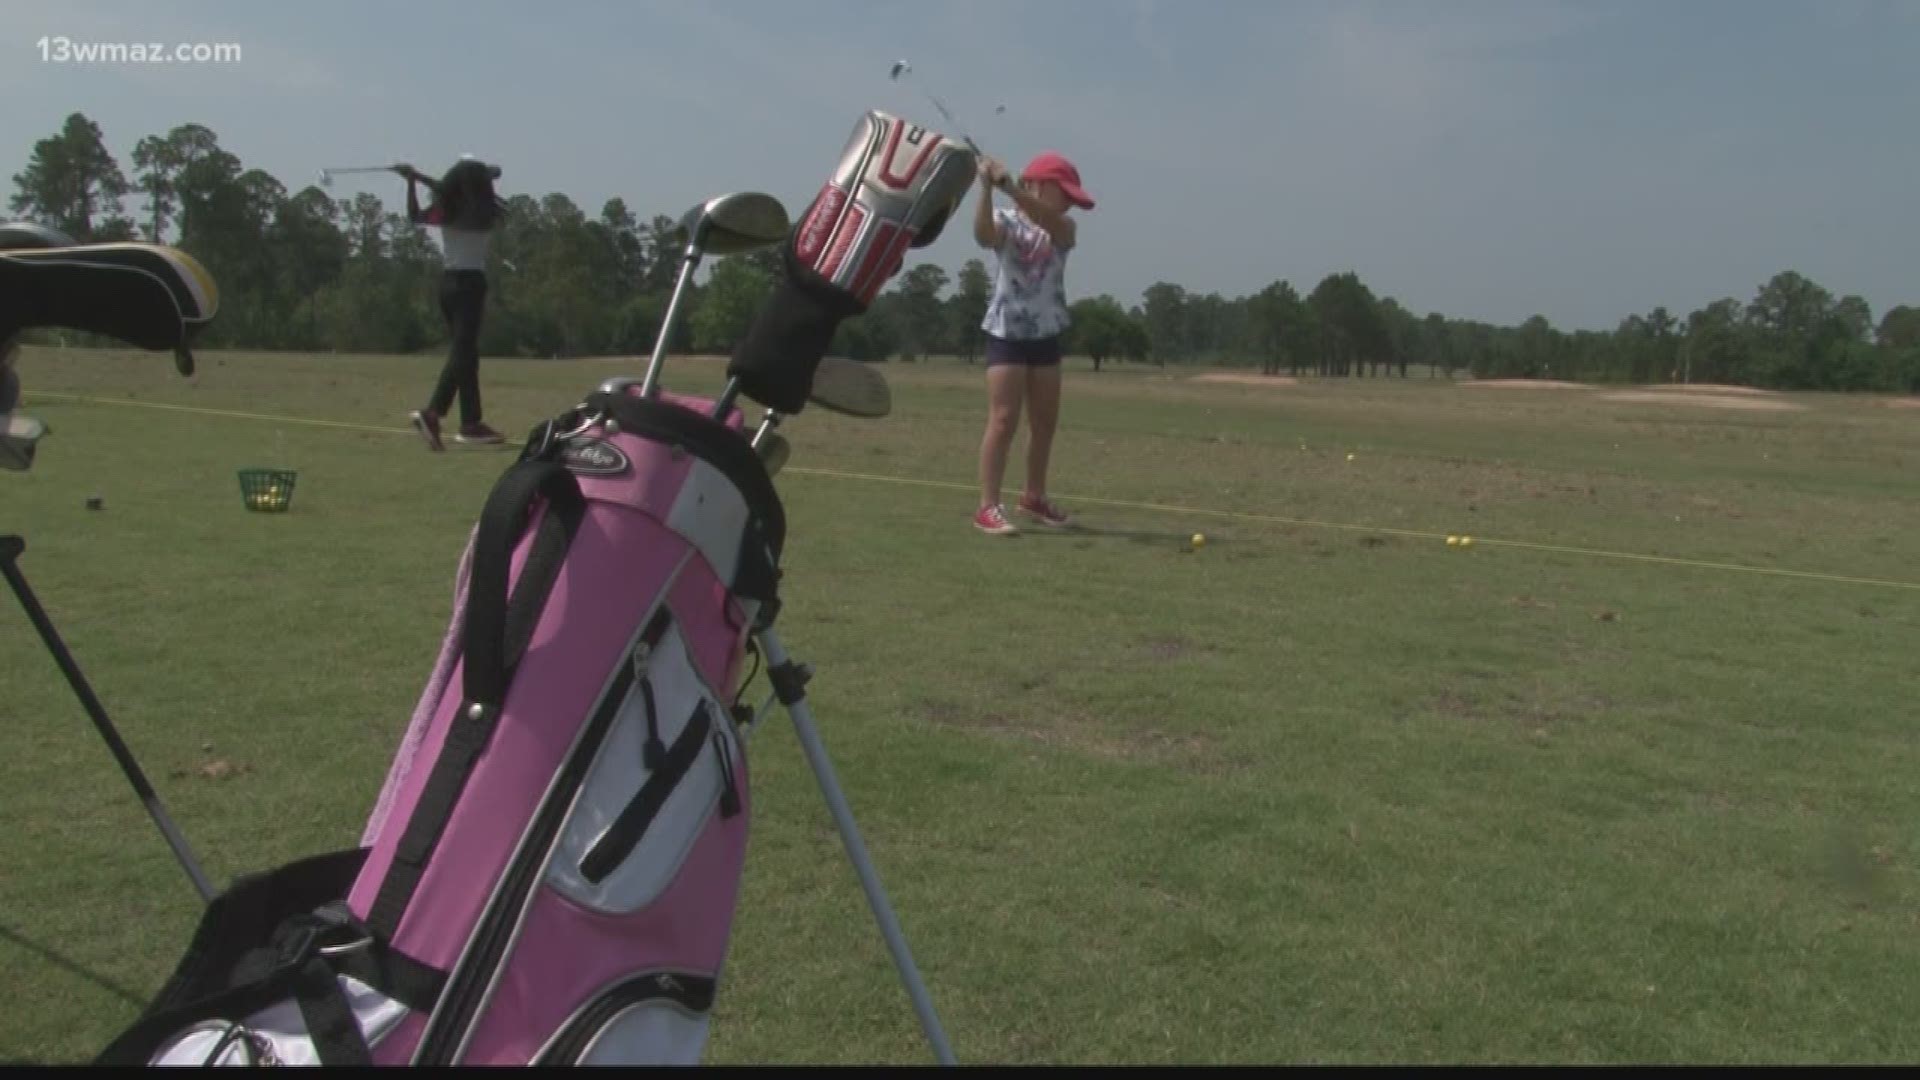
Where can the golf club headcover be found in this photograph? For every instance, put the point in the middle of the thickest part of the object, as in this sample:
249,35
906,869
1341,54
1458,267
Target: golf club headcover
895,186
150,296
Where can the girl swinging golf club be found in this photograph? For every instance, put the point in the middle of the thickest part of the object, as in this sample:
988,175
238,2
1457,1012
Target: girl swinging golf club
1024,322
465,210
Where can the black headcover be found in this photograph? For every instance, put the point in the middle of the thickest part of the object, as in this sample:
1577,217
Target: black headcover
789,337
147,295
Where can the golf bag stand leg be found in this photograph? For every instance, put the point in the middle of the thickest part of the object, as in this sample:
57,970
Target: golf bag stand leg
11,548
787,680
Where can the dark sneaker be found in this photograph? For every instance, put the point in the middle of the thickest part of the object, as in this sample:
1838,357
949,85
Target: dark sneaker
427,423
478,433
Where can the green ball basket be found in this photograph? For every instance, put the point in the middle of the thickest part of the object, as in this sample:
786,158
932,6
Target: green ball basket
267,490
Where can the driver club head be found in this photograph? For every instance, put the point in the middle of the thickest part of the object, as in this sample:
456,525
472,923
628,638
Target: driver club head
774,450
734,223
20,437
851,387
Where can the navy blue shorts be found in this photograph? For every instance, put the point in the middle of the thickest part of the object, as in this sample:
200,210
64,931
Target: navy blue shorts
1039,352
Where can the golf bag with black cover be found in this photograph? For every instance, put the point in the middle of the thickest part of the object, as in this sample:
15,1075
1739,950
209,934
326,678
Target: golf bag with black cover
551,872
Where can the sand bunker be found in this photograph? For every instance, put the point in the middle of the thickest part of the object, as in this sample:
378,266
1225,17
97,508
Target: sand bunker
1247,380
1713,388
1527,384
1707,400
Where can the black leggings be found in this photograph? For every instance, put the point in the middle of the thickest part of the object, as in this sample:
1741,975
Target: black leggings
463,296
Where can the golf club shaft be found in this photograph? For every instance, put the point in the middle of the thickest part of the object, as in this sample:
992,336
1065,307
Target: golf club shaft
651,386
766,424
10,550
724,403
1006,183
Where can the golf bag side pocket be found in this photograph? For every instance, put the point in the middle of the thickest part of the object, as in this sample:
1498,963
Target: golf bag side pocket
630,832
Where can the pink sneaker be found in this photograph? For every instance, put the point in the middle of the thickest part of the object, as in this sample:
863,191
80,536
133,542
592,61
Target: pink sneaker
1043,508
993,519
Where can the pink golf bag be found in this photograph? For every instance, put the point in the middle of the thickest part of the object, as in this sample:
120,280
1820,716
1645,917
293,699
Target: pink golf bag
550,873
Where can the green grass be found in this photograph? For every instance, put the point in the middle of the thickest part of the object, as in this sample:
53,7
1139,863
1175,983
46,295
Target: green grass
1310,794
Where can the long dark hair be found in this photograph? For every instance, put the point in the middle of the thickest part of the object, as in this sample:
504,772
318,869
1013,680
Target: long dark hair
466,198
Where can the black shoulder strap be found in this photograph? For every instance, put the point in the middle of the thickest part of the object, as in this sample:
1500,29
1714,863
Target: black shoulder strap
497,629
494,641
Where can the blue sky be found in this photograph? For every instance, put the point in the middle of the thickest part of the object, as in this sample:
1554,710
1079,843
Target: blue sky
1490,159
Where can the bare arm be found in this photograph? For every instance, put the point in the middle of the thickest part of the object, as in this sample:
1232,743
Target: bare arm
986,231
413,175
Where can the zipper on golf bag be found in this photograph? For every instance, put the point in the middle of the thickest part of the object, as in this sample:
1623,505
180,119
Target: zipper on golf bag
683,992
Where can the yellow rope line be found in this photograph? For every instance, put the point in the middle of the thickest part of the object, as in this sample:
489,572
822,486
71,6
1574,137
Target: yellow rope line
1235,515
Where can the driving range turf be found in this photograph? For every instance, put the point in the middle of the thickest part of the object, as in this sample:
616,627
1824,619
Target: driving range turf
1325,790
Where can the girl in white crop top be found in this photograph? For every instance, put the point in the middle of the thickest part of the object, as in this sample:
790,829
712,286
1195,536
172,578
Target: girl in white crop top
465,210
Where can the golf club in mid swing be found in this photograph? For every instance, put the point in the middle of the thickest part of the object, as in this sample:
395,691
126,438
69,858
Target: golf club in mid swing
902,67
327,175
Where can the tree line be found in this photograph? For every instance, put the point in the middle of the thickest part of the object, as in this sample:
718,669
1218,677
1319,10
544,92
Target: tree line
302,271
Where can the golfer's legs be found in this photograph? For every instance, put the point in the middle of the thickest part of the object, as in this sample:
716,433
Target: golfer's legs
462,297
1006,385
1043,404
468,338
443,390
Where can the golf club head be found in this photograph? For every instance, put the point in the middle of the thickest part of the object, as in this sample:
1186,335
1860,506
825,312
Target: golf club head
20,437
774,451
851,387
733,223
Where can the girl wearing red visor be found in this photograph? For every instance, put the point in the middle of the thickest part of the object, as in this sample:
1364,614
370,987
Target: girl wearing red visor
1025,320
